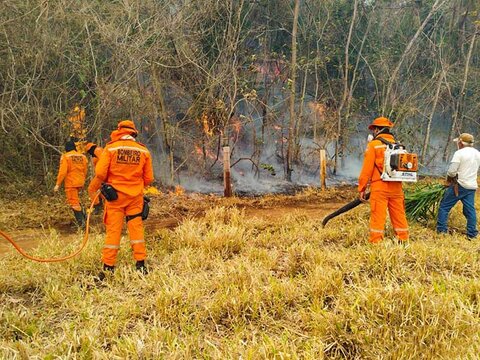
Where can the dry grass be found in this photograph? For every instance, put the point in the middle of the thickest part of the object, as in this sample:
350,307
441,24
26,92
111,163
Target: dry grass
224,286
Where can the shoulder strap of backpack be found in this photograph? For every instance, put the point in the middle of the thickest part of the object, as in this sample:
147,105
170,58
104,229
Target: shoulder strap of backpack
386,142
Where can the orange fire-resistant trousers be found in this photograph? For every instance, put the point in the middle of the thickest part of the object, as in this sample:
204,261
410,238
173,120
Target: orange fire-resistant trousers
92,190
380,201
72,197
114,217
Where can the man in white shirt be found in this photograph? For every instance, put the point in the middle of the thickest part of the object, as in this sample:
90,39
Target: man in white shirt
463,168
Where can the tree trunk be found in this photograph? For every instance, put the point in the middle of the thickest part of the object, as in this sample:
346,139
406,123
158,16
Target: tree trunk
164,118
291,123
298,125
339,140
459,103
355,70
430,119
438,4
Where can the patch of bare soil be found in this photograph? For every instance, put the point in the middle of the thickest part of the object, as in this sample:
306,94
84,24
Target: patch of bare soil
28,239
314,211
28,223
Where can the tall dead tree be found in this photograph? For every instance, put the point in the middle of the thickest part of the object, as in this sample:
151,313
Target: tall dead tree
345,96
387,101
441,76
291,123
458,105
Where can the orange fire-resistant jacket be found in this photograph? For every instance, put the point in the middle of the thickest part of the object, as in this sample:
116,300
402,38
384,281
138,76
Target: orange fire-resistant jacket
97,152
373,167
73,169
125,164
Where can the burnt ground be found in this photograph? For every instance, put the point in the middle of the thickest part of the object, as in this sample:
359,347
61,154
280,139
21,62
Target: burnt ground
31,220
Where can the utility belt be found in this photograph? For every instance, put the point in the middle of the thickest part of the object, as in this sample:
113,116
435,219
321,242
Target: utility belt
452,181
110,194
143,213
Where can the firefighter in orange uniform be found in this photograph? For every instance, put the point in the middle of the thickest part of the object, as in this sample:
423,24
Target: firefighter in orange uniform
383,195
127,166
94,151
73,169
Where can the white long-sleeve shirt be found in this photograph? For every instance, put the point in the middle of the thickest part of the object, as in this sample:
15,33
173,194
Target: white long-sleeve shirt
465,164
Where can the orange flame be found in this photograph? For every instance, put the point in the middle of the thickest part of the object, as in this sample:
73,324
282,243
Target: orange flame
237,126
77,121
151,190
198,150
206,126
179,191
208,153
318,108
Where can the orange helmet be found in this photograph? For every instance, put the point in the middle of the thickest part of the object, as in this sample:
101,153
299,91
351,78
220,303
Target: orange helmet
380,122
128,124
89,146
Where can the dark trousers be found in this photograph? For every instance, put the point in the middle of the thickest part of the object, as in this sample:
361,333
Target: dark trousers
467,197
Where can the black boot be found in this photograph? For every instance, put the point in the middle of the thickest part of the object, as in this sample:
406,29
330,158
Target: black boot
107,269
79,218
141,267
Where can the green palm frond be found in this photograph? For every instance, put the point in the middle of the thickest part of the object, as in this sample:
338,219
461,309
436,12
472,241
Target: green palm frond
421,202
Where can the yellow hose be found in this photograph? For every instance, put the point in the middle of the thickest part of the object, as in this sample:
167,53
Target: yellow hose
51,260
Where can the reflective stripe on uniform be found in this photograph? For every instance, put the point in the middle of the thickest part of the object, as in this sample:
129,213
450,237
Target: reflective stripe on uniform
400,229
128,148
376,231
380,146
108,246
136,241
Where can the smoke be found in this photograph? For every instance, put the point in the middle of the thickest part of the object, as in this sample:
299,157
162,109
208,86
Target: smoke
258,159
256,175
434,164
196,184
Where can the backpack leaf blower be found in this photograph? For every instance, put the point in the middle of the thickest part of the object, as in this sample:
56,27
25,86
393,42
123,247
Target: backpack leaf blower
351,205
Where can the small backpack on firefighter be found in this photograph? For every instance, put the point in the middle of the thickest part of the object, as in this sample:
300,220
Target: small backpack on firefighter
398,164
108,192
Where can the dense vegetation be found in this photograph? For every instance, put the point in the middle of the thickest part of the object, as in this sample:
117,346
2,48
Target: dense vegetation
198,74
276,80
